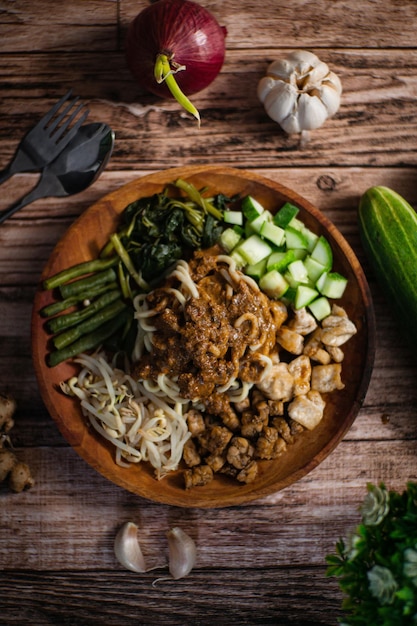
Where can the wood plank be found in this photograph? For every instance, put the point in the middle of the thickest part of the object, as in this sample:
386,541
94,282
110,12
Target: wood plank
375,125
67,491
99,25
279,596
26,26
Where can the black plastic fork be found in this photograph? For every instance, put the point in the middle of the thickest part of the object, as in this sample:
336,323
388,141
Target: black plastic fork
47,139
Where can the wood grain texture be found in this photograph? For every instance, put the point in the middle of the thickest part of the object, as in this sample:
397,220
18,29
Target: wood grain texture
261,563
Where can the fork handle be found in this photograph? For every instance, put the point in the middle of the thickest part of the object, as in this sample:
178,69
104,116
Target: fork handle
33,195
5,174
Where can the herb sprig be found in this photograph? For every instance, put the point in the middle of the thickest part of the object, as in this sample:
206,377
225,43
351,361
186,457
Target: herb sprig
376,566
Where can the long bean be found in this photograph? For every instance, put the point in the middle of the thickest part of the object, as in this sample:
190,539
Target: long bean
62,305
87,267
84,285
90,341
70,335
57,324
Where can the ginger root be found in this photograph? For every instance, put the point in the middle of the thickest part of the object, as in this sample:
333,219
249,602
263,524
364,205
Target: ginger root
16,472
7,409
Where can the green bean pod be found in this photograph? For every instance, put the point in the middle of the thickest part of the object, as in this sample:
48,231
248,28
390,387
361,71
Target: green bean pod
81,269
70,335
85,285
89,341
57,324
62,305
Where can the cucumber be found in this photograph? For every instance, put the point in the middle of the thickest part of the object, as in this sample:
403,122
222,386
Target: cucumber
251,208
388,231
233,217
229,239
285,214
273,284
320,308
254,249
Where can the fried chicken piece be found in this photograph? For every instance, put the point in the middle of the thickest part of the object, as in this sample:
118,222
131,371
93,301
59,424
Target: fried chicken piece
336,353
283,429
215,461
276,407
327,378
337,329
314,349
290,340
195,422
248,473
240,452
279,384
215,439
300,369
198,476
252,423
308,409
190,454
270,444
303,322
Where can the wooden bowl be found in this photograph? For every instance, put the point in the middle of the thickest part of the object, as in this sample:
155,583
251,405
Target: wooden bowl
84,240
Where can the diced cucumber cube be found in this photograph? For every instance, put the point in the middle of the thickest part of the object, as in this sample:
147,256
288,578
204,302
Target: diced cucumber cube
280,260
314,268
273,233
322,252
297,224
254,249
320,281
320,308
333,285
238,229
273,284
295,238
311,237
258,223
289,296
298,271
299,253
286,213
304,296
229,239
257,270
251,208
233,217
238,259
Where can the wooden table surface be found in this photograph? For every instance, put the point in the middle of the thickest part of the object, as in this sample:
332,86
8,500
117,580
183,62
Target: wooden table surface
261,563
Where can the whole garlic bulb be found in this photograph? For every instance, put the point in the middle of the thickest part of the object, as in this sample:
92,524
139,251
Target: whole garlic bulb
300,92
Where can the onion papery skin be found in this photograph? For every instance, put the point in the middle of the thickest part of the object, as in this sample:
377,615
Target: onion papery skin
187,33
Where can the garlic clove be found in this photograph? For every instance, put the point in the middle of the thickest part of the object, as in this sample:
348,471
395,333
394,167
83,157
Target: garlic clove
127,548
264,87
330,98
311,112
334,81
303,60
182,553
316,75
281,101
283,69
291,124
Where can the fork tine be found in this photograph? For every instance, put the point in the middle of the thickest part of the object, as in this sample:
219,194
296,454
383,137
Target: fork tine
49,115
60,117
71,133
61,130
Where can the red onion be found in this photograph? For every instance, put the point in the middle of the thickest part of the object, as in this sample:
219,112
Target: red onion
184,35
